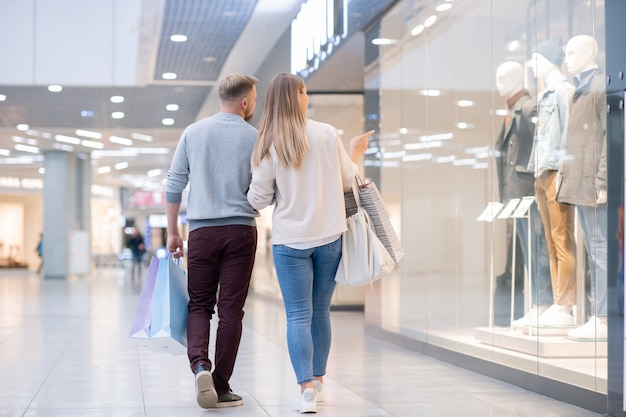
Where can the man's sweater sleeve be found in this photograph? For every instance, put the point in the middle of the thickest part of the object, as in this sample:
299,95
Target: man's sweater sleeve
178,175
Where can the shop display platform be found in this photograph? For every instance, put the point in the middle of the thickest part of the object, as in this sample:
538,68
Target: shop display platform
540,342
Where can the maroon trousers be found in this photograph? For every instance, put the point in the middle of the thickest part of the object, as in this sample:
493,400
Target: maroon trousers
218,257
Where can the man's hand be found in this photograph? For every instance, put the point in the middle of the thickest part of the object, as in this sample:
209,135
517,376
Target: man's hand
175,245
601,196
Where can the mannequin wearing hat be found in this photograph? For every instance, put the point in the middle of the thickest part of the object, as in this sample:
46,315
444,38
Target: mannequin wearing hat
513,148
558,218
584,172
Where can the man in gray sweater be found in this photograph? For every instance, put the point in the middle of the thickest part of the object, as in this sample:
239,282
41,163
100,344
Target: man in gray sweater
213,157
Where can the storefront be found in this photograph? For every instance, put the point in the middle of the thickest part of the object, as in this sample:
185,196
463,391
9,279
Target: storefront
21,222
491,120
448,140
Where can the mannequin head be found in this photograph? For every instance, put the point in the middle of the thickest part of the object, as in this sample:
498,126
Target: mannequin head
541,66
547,57
580,54
509,78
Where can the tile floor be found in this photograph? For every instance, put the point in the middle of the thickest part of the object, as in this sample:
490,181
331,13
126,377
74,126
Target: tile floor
65,352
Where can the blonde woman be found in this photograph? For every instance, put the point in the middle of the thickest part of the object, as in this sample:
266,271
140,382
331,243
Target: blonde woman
302,167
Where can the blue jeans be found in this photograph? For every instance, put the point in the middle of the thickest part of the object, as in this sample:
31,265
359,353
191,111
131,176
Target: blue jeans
307,283
540,263
593,221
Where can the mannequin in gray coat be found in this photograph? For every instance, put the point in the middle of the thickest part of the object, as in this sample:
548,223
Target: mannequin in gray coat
513,148
583,172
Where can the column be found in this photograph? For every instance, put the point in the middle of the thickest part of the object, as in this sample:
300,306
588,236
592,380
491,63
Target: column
67,219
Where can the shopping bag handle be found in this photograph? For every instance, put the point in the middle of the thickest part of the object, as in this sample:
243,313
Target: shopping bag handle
178,261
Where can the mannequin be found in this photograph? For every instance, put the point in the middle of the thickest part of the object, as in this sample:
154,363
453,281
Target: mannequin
583,174
558,218
514,145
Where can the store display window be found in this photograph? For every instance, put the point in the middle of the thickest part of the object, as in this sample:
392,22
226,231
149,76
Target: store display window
491,156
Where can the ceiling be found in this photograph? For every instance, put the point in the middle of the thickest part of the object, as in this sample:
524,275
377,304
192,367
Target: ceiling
97,49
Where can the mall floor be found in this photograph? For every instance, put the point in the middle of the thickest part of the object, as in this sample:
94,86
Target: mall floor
65,352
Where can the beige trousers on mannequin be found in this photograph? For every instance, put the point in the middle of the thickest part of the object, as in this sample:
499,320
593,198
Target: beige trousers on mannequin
558,221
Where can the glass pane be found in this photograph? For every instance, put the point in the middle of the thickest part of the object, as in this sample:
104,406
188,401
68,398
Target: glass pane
485,106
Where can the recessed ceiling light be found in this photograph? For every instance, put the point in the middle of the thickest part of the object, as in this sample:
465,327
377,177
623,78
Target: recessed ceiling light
5,152
431,93
417,30
178,38
121,165
55,88
88,134
430,21
67,139
26,148
169,76
443,7
27,141
384,41
117,115
464,125
104,170
63,147
87,113
92,144
129,152
22,126
120,140
168,121
21,160
465,103
513,46
117,99
140,136
2,97
154,172
171,107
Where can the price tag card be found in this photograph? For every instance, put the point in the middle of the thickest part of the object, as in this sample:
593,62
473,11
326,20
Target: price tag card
490,212
508,209
523,206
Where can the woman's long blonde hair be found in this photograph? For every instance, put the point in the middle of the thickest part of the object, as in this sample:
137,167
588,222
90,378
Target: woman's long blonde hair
283,123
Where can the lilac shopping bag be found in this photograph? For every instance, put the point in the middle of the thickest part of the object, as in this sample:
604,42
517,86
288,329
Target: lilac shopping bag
143,315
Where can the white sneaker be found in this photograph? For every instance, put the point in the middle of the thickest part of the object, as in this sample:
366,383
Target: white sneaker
306,403
531,318
319,391
205,390
594,329
554,316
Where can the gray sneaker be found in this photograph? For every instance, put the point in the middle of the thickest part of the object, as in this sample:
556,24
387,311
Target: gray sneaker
228,399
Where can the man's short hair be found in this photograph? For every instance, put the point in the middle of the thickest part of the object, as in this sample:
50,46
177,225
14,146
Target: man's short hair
235,86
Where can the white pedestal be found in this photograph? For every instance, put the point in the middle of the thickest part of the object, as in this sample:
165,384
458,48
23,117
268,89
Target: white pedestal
539,344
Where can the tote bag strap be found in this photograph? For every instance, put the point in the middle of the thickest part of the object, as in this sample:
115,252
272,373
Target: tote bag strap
355,191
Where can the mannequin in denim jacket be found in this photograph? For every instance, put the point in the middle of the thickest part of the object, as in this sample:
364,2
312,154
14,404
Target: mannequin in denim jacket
558,219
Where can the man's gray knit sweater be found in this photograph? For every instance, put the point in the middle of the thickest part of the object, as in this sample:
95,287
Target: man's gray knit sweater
213,156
